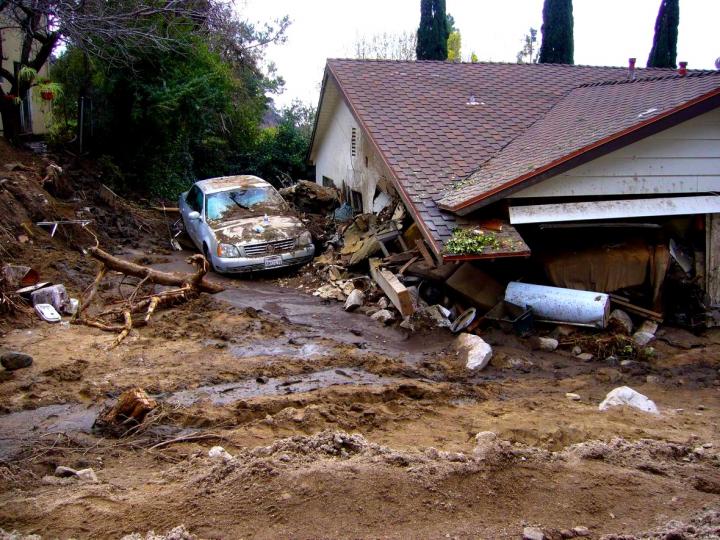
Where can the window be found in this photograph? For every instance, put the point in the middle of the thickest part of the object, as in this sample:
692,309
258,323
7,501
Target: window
243,202
353,142
328,182
195,199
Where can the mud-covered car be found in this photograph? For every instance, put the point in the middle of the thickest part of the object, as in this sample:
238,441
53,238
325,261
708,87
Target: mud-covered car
242,224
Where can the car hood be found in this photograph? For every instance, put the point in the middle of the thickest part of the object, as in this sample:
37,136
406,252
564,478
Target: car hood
255,230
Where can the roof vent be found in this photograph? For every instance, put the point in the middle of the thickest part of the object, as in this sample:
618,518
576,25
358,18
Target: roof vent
472,101
682,70
717,63
631,68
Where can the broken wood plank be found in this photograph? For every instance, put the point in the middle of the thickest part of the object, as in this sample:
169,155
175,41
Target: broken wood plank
407,265
425,253
653,315
391,286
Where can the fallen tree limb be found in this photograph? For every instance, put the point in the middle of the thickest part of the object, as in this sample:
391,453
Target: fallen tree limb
196,280
186,439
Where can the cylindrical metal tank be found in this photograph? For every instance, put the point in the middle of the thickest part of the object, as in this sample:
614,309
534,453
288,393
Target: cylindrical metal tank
554,304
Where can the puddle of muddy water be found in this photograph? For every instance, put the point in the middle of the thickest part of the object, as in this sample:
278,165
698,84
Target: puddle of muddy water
16,429
323,317
222,394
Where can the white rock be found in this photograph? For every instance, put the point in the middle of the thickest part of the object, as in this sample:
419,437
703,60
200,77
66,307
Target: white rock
624,395
648,326
87,475
581,531
218,452
385,316
585,357
621,320
64,472
576,350
383,303
544,343
573,396
642,338
473,350
533,533
485,443
354,300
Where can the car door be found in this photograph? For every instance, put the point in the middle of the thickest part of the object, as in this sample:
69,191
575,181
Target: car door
195,202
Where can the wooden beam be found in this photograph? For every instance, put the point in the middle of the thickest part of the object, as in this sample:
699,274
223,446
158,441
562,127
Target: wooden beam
391,286
420,243
712,258
652,315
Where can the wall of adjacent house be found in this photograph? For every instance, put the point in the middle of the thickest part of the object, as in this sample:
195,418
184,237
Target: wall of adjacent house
362,170
40,111
681,159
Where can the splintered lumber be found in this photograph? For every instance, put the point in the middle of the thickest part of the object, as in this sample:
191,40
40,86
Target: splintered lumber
131,408
156,276
391,286
425,253
632,308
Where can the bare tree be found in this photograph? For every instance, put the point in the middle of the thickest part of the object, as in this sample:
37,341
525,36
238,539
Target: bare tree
386,46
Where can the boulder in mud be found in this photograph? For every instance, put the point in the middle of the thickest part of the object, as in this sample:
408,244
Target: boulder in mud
626,396
473,350
385,316
219,453
546,344
354,300
13,360
620,322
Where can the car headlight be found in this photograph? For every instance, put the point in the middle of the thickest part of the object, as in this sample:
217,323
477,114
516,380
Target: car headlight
305,239
227,250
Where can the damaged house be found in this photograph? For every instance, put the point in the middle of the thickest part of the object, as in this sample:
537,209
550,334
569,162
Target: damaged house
594,178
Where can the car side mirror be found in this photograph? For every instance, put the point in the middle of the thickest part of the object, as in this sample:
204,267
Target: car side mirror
194,215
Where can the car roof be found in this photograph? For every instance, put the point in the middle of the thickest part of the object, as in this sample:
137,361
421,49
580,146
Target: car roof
226,183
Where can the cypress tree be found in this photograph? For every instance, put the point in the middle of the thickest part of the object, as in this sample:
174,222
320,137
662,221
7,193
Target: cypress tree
433,32
664,49
557,32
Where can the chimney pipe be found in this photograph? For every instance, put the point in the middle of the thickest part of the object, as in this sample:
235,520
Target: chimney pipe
631,68
682,70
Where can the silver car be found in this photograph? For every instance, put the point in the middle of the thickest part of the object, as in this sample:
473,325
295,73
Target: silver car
242,224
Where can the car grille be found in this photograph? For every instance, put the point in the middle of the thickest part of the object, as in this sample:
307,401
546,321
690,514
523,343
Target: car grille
269,248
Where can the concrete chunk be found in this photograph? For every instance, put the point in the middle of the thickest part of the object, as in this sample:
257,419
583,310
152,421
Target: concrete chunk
473,350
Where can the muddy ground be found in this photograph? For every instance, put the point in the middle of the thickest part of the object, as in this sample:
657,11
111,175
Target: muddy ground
339,427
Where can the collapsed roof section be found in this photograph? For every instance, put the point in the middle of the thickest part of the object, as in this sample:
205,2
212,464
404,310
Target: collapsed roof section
452,132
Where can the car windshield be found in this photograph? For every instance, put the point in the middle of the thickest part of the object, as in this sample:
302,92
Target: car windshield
243,202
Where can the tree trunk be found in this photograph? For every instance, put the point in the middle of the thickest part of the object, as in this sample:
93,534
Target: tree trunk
10,113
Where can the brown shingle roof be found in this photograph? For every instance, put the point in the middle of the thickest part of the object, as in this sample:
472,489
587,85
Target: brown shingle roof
586,117
418,116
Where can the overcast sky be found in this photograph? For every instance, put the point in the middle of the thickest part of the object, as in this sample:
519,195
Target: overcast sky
607,32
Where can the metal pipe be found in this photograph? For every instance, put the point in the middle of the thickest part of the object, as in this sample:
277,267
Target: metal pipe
555,304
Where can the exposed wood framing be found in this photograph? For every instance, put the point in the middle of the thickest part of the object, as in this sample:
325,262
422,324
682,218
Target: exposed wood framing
391,286
712,258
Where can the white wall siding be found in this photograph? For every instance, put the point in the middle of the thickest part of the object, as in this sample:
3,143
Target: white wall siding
333,154
681,159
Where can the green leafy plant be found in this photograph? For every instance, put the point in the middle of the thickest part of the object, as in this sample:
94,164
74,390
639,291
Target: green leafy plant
27,74
467,241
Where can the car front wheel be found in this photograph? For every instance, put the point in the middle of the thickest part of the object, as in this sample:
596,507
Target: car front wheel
206,253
